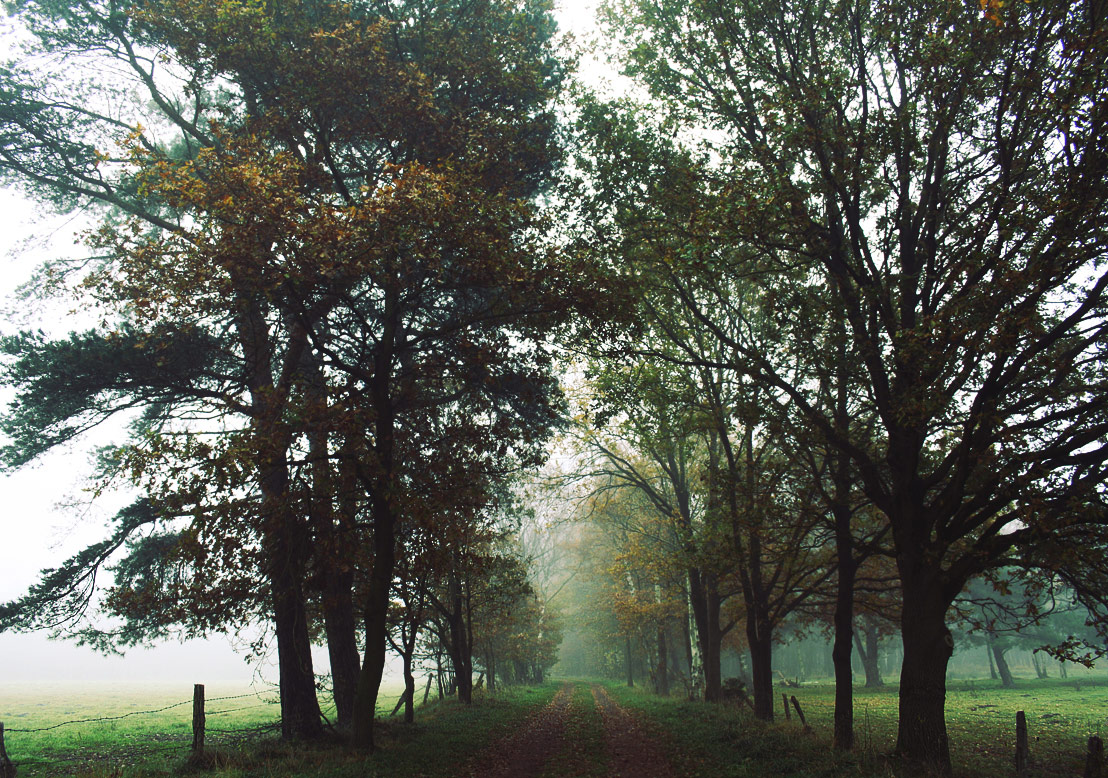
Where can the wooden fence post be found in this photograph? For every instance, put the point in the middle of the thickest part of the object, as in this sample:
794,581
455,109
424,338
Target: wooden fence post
800,713
427,691
785,702
198,718
1094,761
7,769
1023,757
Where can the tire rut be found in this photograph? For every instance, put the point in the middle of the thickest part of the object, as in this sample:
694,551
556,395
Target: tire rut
527,751
632,752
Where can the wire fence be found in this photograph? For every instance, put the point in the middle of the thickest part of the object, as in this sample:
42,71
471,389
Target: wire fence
61,760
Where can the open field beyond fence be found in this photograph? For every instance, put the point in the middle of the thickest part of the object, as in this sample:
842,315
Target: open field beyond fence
146,732
68,728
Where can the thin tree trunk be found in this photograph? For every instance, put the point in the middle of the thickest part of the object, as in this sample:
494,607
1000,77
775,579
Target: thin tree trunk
409,687
384,547
630,664
661,678
337,574
844,635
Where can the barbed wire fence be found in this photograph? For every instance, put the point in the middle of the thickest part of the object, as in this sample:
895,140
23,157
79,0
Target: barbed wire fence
166,744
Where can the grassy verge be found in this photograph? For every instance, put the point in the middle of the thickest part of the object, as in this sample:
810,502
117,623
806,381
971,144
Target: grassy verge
707,740
153,745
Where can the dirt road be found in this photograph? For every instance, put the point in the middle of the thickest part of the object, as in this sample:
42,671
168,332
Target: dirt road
543,746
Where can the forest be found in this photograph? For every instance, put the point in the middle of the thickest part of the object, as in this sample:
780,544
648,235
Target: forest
423,342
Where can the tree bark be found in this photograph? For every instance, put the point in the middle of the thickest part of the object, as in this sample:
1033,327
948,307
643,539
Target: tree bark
869,653
409,688
705,599
284,537
1005,672
630,664
661,676
844,635
336,572
380,486
928,645
760,638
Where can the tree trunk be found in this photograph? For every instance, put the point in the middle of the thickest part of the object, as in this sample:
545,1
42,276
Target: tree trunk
409,687
705,599
844,636
928,645
661,675
869,653
760,638
300,718
491,671
284,537
992,664
286,564
630,664
376,626
384,551
1005,672
340,628
337,573
460,656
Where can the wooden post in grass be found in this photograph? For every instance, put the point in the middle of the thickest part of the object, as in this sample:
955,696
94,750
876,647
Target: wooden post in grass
785,702
1023,756
800,714
7,769
1094,760
427,691
198,718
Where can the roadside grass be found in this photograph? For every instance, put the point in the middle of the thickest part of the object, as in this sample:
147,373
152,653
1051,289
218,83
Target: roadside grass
154,745
707,740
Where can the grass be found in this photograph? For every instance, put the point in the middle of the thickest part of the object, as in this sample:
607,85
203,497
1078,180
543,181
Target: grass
722,741
154,745
981,721
703,741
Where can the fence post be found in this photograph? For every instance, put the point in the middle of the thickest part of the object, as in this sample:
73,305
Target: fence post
1023,757
1094,761
785,702
800,713
198,718
7,769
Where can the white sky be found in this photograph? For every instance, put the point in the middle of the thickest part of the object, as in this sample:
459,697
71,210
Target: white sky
38,530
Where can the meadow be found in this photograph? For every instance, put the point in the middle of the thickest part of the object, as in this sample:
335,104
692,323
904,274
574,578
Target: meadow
981,721
701,741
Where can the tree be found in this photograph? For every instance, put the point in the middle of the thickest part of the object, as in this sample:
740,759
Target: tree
338,199
935,172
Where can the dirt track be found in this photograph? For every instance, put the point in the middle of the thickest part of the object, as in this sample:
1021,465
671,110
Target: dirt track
540,748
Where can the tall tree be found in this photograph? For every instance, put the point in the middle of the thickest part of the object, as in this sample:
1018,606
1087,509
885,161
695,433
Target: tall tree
937,171
337,198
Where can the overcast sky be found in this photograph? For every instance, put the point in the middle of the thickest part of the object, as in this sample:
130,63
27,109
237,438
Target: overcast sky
45,515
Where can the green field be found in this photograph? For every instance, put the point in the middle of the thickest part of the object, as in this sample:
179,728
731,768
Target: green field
981,721
701,740
133,742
